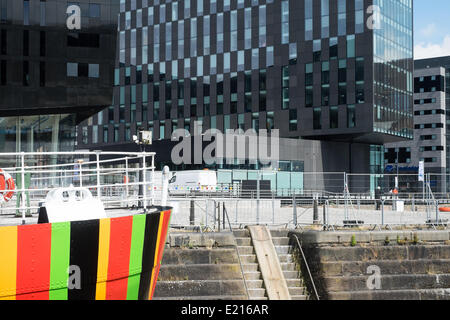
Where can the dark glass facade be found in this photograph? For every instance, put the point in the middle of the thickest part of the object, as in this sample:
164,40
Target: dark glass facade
311,68
393,69
52,77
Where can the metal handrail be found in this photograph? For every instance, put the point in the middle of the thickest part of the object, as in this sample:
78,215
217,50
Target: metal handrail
307,267
237,252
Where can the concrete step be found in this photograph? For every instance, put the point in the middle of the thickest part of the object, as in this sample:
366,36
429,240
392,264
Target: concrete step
282,249
248,258
423,266
388,282
252,275
246,249
285,258
201,298
257,292
190,288
296,291
292,283
243,242
258,298
254,284
200,272
287,266
290,274
279,233
250,267
391,252
199,256
280,241
428,294
241,233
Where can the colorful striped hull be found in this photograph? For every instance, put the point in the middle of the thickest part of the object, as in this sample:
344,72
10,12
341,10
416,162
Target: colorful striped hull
107,259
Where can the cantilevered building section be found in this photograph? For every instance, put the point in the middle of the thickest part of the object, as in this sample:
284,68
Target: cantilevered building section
314,69
357,80
56,69
393,67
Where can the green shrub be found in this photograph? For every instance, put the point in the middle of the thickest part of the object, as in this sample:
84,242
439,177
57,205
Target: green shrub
353,242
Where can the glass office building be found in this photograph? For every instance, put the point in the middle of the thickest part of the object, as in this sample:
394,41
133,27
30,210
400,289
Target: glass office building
52,76
314,69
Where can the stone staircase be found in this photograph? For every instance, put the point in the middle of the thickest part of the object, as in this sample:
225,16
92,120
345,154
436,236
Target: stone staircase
252,274
201,273
293,277
407,272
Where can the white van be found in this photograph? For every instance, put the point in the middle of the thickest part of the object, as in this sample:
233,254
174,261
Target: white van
184,182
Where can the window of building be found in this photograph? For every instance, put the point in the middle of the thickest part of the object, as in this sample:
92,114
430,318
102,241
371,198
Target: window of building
85,40
342,17
317,118
94,71
351,116
285,87
325,20
285,22
351,46
42,20
359,91
3,72
334,117
3,42
3,11
72,69
262,90
293,122
308,20
317,50
94,10
359,16
26,12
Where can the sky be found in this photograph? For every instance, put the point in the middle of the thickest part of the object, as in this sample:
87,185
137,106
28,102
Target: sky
431,28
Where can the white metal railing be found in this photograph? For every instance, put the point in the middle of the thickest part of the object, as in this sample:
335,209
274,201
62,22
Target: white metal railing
107,174
330,213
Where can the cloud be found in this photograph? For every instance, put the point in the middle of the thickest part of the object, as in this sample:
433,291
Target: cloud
424,50
429,30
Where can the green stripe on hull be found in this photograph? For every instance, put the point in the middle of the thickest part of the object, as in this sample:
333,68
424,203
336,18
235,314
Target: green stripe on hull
137,246
60,257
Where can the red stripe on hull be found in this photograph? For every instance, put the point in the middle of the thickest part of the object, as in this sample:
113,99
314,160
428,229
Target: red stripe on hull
119,258
33,262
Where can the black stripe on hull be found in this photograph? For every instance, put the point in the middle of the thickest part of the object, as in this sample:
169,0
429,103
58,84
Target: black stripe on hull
84,239
148,255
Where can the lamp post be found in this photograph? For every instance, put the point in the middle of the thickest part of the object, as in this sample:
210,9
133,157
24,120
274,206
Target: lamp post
142,139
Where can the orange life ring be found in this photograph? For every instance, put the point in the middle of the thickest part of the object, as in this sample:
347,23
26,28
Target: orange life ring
444,209
7,186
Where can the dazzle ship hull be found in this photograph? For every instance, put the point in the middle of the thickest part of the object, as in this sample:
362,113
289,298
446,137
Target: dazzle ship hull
102,259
